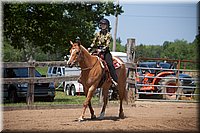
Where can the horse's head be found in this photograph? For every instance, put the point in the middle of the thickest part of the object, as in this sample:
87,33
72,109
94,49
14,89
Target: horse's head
74,53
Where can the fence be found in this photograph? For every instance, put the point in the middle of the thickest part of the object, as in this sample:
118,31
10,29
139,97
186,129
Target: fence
132,84
152,88
131,80
32,79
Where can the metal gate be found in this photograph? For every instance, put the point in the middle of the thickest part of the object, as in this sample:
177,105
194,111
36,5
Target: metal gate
168,83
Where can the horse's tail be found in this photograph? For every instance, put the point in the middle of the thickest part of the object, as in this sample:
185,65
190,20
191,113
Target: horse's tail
123,83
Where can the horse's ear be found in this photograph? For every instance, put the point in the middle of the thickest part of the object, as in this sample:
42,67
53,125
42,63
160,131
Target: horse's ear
71,43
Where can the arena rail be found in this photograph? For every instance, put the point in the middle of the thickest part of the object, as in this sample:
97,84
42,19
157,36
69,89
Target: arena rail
31,65
136,86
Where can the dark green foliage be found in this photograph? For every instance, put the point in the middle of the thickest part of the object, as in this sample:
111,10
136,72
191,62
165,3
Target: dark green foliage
51,26
177,50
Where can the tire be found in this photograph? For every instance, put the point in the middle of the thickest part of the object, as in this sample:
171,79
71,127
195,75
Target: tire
73,90
13,96
67,89
169,82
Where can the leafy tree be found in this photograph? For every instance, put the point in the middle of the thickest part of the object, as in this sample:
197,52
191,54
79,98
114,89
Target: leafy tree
11,54
51,26
179,49
119,46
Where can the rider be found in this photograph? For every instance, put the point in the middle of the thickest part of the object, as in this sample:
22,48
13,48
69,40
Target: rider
103,38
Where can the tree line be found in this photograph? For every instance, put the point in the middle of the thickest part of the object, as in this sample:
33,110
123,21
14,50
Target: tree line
43,31
48,27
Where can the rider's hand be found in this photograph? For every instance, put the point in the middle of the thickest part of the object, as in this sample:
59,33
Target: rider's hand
104,48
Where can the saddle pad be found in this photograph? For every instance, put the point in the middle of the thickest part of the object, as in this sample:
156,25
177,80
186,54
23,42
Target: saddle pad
117,62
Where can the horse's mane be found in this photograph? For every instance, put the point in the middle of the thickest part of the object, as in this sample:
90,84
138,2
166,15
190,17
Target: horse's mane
83,48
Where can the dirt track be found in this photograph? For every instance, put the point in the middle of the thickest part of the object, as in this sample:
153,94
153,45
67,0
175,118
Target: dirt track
140,117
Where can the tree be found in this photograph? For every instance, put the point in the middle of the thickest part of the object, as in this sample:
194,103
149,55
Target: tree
179,49
51,26
9,53
119,46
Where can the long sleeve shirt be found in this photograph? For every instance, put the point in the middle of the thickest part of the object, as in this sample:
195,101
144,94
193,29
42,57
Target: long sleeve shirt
101,40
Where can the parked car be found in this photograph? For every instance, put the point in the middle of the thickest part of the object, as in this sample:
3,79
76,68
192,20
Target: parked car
15,92
69,87
155,70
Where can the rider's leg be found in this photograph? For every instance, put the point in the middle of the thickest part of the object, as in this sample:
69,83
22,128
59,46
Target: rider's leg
109,61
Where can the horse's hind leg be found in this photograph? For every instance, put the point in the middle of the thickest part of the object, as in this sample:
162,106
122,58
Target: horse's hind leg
105,101
121,112
121,97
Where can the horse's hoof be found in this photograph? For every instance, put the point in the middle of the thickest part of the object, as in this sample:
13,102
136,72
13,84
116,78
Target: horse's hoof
80,119
101,116
93,117
121,115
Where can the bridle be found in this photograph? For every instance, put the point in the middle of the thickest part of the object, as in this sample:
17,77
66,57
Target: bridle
79,56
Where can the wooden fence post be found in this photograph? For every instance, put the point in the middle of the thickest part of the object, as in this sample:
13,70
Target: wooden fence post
131,50
30,91
131,71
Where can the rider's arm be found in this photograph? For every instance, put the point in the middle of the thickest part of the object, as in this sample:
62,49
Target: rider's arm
108,38
94,40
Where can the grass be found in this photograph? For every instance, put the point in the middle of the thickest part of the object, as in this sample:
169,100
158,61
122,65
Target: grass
60,99
196,97
42,70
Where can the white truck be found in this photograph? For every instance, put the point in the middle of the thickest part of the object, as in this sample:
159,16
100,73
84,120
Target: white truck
73,87
69,87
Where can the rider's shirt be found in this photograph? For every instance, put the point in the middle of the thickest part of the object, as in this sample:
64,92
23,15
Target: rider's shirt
102,40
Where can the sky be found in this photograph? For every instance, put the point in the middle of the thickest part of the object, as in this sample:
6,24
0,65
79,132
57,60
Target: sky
153,23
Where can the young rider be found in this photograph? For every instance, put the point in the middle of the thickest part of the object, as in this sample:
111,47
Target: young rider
102,39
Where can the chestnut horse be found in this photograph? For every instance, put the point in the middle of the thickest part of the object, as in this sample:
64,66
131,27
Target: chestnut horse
91,75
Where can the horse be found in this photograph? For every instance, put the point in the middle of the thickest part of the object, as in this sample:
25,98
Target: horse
91,75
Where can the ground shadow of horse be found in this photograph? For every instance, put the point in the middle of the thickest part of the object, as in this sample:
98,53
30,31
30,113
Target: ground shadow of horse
112,118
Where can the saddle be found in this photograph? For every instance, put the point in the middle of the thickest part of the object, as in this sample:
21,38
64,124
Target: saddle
100,54
106,72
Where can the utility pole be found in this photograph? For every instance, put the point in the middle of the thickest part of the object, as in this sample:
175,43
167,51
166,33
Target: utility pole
115,31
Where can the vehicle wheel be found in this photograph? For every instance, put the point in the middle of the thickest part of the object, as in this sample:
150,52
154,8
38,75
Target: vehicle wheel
73,90
67,89
13,96
169,82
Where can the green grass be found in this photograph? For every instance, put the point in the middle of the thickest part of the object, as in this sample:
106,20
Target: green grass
42,70
60,99
196,97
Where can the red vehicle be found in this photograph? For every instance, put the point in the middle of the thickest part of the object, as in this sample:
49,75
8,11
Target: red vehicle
162,78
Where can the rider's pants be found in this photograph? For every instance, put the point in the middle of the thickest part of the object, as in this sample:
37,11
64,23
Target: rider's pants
109,61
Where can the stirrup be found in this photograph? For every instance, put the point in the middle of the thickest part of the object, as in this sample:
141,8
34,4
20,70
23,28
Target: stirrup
114,83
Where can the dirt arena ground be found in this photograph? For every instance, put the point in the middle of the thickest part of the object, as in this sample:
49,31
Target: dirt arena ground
139,117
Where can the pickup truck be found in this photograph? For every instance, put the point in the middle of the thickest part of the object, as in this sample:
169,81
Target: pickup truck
15,92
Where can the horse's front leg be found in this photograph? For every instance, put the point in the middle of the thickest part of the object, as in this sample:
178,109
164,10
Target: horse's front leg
93,116
87,102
